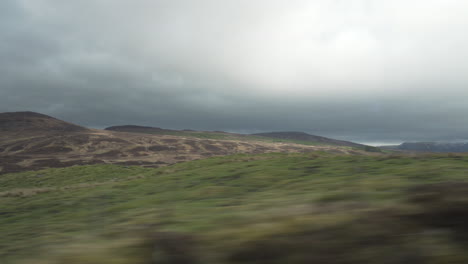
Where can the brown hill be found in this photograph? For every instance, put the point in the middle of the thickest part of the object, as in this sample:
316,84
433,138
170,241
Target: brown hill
18,122
31,141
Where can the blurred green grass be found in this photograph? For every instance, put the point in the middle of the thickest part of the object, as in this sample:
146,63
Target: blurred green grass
226,202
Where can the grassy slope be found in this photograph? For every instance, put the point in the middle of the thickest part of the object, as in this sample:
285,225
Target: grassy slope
225,202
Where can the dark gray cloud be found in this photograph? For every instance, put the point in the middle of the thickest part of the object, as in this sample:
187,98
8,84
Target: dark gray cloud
364,70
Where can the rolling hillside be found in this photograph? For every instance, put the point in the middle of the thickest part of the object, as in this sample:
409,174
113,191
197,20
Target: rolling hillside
267,208
285,137
31,141
221,198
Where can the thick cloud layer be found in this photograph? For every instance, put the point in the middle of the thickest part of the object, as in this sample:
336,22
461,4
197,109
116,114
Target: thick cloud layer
363,70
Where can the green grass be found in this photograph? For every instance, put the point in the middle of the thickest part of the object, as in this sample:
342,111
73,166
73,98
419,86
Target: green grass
231,205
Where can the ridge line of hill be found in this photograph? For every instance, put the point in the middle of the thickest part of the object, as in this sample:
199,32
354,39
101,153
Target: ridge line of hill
32,141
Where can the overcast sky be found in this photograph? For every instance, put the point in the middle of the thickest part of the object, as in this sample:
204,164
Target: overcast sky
362,70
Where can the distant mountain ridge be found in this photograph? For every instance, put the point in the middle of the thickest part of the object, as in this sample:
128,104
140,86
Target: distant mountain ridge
433,147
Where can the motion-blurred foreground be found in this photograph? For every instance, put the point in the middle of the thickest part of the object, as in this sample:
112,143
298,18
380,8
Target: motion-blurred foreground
267,208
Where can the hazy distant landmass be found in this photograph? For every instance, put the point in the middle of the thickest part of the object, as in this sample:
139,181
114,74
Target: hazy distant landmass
431,147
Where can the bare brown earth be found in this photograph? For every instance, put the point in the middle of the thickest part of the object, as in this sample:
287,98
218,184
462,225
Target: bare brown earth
31,141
